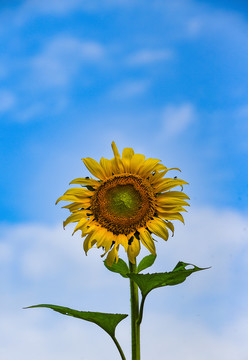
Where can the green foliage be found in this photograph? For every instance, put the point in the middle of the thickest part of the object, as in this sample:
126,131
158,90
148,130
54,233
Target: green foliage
146,262
120,267
148,282
107,322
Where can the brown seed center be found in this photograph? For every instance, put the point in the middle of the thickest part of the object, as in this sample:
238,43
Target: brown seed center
123,203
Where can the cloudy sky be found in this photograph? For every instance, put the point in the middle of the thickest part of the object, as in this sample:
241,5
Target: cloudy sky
168,78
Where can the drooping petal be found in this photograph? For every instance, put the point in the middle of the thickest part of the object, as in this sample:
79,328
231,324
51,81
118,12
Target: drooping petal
170,226
82,222
147,240
98,234
133,250
172,216
158,227
110,239
88,242
122,240
112,255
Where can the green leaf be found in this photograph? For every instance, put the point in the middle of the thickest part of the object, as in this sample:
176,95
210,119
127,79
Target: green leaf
146,262
119,267
107,322
148,282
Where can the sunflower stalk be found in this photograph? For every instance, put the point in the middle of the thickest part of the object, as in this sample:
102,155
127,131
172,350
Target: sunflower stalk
135,324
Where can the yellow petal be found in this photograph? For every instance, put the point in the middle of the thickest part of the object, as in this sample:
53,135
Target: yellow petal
84,181
106,164
110,238
117,160
88,227
148,166
75,217
172,216
100,236
170,226
112,256
73,207
170,209
167,184
74,198
122,240
115,150
147,240
159,174
88,242
79,192
95,168
157,226
133,250
136,162
160,167
173,194
171,201
80,224
127,155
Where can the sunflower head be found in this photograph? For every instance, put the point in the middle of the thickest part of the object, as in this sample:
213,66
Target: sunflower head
128,201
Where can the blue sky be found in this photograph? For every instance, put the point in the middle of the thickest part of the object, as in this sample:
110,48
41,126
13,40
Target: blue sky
166,78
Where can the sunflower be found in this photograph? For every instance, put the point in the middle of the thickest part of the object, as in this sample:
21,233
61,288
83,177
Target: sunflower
130,200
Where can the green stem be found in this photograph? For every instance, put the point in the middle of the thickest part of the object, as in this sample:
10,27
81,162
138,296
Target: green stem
135,326
118,347
141,310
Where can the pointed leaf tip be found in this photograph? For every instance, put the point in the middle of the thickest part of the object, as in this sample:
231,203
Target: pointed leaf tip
106,321
148,282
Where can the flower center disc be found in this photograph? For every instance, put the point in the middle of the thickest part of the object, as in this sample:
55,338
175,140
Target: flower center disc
123,203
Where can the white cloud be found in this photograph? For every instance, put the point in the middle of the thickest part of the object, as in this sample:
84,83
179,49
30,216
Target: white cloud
174,338
62,58
32,8
56,7
147,56
129,89
42,263
25,336
177,118
7,100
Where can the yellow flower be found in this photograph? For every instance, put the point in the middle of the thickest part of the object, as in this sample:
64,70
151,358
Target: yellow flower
130,201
